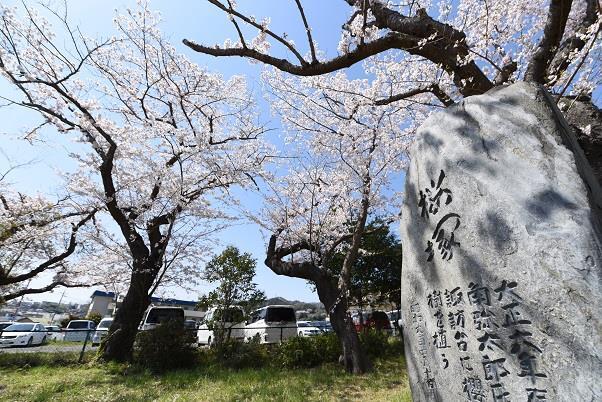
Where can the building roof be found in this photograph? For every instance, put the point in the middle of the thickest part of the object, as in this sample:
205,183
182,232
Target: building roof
178,302
174,301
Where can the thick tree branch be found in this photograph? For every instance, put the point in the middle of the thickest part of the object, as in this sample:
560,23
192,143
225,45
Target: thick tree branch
48,288
558,14
419,35
571,44
303,270
434,89
362,52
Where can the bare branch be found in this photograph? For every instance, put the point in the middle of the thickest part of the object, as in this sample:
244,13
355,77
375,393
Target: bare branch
51,262
261,28
47,288
308,31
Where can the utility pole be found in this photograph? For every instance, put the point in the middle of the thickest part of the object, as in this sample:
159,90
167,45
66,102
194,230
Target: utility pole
59,305
20,301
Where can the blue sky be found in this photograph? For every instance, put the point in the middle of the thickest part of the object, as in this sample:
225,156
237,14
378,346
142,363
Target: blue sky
201,22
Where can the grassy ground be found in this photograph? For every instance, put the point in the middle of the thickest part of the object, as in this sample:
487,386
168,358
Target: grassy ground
388,382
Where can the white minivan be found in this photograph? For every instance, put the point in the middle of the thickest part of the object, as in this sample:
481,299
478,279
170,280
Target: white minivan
155,315
272,324
233,320
79,330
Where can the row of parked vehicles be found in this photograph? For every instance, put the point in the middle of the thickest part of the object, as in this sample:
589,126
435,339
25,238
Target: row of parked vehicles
270,324
33,334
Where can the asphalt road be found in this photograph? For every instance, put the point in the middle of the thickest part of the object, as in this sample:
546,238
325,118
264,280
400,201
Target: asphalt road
49,348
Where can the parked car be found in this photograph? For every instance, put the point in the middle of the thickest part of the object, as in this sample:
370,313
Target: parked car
23,334
374,320
79,330
101,331
324,326
155,315
53,332
190,324
233,321
395,318
306,328
272,324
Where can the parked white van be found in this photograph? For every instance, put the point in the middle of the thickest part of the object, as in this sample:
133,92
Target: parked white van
79,330
155,315
233,320
272,324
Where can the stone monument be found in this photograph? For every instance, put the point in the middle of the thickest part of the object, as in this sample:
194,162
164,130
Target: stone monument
501,280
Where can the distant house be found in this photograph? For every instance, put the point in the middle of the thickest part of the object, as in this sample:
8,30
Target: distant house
103,303
107,303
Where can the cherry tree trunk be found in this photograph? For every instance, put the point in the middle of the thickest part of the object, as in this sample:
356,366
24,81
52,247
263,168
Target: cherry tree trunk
354,358
119,343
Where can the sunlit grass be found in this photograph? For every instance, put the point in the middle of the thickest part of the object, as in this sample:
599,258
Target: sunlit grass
388,382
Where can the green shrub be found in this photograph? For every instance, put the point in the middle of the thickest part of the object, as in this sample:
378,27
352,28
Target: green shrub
235,354
167,347
95,317
298,352
308,352
328,346
375,343
395,347
65,321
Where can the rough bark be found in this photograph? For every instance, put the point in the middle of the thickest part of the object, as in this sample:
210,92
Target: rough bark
586,120
119,342
354,358
572,43
558,14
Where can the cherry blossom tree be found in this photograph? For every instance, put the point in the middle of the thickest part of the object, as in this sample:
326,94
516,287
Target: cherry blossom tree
158,141
450,49
39,239
343,154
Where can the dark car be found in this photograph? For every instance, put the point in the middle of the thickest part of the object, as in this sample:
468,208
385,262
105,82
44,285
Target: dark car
324,326
190,324
377,320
